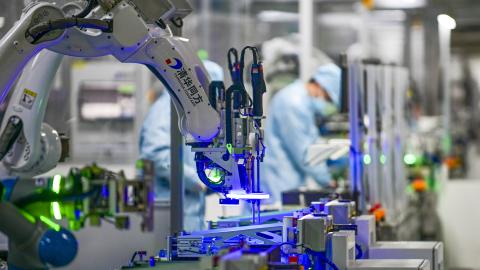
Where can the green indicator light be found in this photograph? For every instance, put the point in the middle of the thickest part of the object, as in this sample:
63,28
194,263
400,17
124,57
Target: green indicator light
367,159
365,145
410,189
214,175
202,54
50,223
126,89
74,225
229,148
57,179
28,216
409,159
383,159
57,214
447,144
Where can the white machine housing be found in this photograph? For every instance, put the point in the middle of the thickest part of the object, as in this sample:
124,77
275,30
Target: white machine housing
343,256
342,211
432,251
312,232
366,238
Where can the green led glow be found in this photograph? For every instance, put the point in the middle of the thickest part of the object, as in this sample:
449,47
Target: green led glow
367,159
50,223
229,148
56,211
214,175
409,159
383,159
28,216
202,54
127,89
447,144
410,190
57,179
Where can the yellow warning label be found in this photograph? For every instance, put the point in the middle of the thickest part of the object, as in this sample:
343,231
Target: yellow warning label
28,98
30,92
79,64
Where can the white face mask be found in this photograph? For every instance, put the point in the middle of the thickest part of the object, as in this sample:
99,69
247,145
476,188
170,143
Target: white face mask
323,107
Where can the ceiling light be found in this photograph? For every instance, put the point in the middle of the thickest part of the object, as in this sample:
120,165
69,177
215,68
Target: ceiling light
446,21
400,3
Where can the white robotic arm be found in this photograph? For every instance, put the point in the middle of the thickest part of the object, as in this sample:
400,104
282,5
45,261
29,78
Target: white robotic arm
170,58
135,32
221,127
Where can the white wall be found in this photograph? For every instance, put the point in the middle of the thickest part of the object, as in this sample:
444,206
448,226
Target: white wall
459,210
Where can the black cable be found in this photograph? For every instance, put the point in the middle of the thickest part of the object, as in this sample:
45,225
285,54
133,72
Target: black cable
134,256
41,29
236,72
90,6
257,82
255,56
321,257
233,65
359,252
132,260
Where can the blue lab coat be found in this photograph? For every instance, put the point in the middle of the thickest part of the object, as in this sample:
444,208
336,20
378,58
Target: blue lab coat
290,129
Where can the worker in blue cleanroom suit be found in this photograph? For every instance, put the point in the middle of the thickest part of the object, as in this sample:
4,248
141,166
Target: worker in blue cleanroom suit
291,128
155,146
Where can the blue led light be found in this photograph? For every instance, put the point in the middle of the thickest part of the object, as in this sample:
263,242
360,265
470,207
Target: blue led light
228,201
78,214
104,191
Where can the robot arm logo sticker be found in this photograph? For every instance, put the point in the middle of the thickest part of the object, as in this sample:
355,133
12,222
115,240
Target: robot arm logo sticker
175,64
